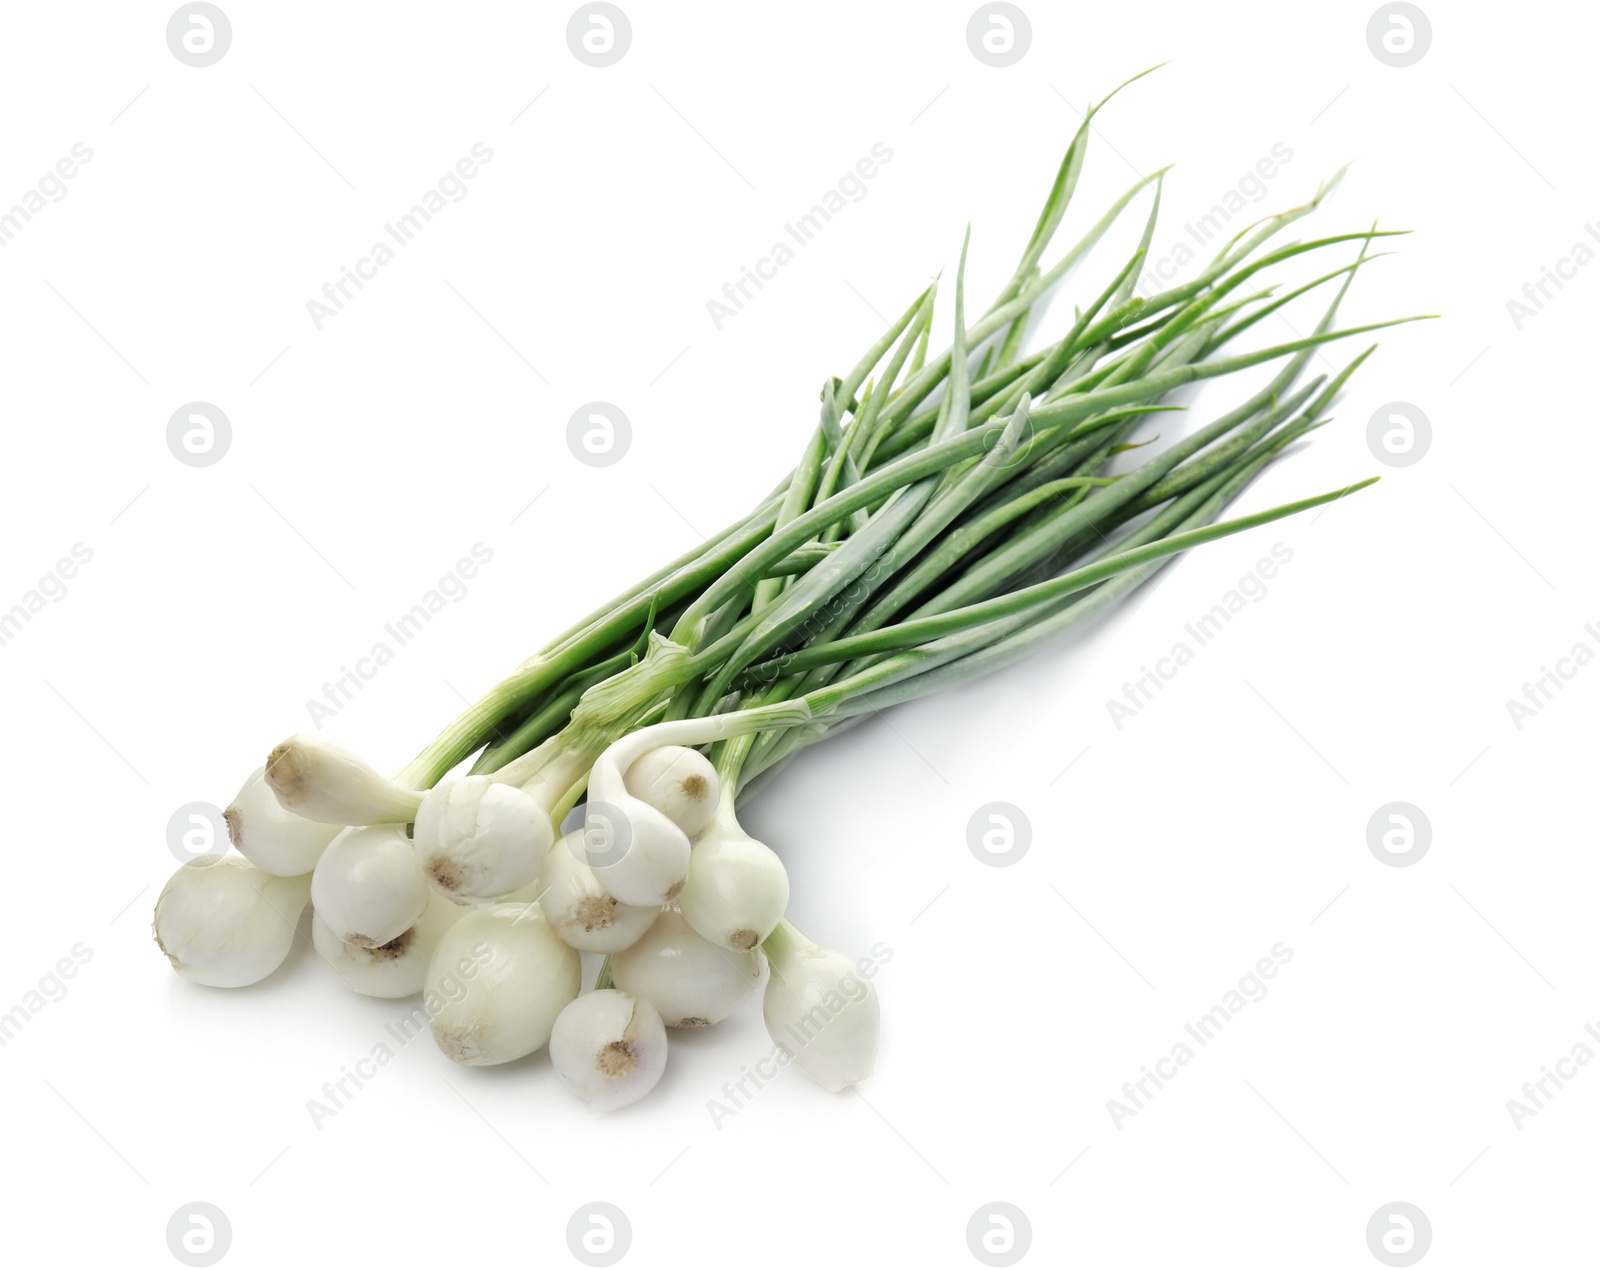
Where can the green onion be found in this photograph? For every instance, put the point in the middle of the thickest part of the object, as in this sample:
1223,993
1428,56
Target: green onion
949,513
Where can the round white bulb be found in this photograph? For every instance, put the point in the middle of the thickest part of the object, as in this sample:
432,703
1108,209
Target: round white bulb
583,912
609,1047
737,888
481,840
821,1009
394,969
497,980
690,982
225,923
271,838
679,782
367,886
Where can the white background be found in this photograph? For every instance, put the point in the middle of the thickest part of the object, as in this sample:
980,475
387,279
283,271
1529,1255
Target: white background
369,455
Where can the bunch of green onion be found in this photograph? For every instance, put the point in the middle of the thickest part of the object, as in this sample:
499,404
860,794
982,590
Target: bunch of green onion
950,513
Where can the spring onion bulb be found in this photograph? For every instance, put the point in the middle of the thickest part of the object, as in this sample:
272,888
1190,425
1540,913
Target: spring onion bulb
636,851
609,1047
395,969
223,922
820,1008
690,982
584,913
500,976
271,838
737,888
677,781
317,779
368,887
479,839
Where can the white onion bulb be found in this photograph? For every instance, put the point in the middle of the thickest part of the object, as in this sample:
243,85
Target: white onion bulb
319,780
394,969
679,782
737,888
821,1009
609,1047
636,851
690,982
225,923
497,981
368,887
271,838
583,912
480,839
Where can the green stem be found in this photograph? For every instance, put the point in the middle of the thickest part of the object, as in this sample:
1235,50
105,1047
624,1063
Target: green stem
920,631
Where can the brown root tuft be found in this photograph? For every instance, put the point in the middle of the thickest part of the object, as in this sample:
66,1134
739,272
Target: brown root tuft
596,912
616,1059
